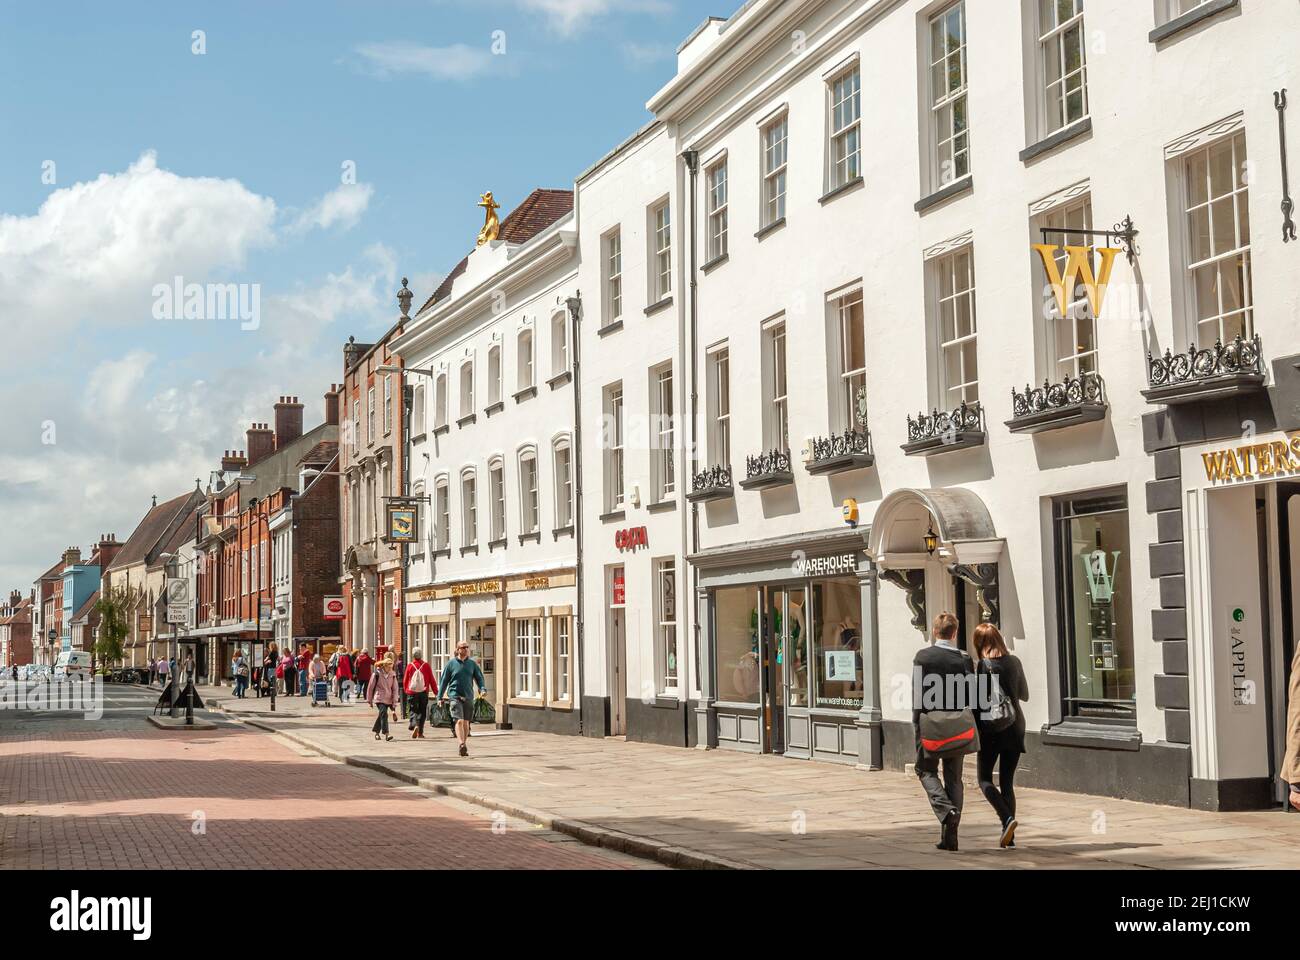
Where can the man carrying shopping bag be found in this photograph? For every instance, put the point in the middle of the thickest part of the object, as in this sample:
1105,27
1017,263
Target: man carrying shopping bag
458,680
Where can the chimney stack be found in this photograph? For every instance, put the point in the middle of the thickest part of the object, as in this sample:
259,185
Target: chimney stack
233,461
15,598
107,549
333,400
261,443
288,421
71,556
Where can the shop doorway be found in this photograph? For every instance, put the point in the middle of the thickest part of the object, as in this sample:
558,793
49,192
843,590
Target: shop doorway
783,660
482,637
617,673
1280,555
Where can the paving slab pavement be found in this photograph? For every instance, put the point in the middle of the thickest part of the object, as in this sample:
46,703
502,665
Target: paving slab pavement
722,809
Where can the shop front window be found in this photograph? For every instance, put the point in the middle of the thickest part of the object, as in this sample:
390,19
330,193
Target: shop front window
735,615
837,644
1095,606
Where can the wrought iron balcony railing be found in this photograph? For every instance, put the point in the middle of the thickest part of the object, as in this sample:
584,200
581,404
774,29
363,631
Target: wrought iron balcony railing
1206,373
942,431
771,468
850,450
712,483
1074,400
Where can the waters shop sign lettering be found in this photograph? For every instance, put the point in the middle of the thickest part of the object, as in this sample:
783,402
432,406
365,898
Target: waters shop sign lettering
1276,458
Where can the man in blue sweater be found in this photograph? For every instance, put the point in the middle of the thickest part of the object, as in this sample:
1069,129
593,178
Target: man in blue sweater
457,684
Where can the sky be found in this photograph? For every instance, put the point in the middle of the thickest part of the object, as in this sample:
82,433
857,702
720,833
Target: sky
313,153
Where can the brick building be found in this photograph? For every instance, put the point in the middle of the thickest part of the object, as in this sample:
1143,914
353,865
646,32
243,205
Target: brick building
266,543
372,462
16,631
136,568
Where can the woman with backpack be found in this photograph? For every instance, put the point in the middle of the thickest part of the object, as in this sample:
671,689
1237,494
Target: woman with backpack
383,691
1002,688
418,683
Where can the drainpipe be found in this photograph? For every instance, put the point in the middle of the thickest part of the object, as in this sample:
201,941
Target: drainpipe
574,305
692,160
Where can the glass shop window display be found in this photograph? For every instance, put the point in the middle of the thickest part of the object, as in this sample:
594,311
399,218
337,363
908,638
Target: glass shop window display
739,671
837,643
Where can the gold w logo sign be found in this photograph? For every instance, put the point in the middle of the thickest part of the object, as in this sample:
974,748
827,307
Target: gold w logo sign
1078,267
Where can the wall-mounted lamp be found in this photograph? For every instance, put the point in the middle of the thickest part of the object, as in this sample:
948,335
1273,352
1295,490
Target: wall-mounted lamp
931,540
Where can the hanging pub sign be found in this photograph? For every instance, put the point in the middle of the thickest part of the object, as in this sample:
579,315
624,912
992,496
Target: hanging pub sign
403,523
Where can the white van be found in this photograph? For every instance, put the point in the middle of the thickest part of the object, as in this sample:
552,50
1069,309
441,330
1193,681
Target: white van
72,664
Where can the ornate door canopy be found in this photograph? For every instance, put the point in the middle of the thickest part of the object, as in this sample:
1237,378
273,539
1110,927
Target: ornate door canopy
967,543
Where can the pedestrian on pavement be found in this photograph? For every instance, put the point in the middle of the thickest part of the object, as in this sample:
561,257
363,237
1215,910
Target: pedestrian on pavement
333,667
239,667
289,670
1291,757
459,678
400,669
945,723
153,671
304,666
363,669
383,691
343,673
270,666
162,673
418,683
317,671
1002,687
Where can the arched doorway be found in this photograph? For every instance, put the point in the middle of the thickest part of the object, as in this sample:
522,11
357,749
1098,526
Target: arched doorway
940,547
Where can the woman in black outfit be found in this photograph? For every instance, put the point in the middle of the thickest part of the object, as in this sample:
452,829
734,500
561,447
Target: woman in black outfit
1002,738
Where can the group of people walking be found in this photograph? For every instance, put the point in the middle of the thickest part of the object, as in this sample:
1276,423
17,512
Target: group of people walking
412,692
962,706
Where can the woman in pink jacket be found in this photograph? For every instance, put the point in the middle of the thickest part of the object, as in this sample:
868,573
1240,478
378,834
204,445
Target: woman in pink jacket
383,691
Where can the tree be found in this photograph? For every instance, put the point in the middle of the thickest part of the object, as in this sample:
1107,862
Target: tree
115,611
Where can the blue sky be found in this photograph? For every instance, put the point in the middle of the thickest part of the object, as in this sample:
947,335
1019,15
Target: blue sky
229,165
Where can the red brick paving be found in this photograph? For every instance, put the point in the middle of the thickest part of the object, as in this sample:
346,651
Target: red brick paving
129,800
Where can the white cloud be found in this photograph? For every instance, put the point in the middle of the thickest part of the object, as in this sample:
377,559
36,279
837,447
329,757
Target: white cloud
100,245
456,62
343,206
110,386
133,413
569,17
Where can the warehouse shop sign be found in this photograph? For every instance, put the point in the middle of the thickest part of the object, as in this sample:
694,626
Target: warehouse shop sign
1277,458
825,566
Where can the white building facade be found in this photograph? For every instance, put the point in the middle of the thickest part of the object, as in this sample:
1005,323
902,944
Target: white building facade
897,391
489,361
642,677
